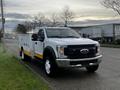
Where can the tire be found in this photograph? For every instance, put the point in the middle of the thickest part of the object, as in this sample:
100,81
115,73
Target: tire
92,69
50,67
24,57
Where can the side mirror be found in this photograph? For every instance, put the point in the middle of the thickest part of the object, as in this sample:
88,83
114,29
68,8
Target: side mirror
41,38
34,37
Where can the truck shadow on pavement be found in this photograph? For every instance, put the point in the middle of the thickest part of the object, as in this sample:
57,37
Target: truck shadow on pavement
62,73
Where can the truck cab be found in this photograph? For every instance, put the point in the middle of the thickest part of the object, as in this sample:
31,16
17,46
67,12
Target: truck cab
61,47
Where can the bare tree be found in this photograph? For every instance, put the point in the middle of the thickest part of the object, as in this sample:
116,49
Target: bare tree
21,28
54,20
28,25
47,22
67,15
112,4
39,20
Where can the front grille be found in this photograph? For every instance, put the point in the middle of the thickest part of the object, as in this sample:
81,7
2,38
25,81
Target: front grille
74,51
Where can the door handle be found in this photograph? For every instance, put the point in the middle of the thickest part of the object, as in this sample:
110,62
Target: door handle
35,42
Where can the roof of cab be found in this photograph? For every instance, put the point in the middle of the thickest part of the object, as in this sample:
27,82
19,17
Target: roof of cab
38,28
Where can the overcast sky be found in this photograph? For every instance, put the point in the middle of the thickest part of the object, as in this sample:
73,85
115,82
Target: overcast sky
86,10
82,8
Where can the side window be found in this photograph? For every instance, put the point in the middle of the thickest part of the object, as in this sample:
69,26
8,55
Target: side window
41,34
34,37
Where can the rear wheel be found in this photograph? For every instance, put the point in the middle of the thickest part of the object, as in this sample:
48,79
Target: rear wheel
92,68
24,57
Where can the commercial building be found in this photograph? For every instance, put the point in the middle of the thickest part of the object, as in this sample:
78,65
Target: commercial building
107,31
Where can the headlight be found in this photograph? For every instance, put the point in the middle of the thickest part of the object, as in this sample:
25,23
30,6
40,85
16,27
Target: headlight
98,50
60,50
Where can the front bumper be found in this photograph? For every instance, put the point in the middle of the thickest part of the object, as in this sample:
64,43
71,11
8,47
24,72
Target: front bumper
79,62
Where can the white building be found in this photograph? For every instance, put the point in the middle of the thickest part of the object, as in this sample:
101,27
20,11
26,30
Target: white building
97,30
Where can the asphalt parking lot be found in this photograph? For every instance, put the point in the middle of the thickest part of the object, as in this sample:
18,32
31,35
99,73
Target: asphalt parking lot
106,78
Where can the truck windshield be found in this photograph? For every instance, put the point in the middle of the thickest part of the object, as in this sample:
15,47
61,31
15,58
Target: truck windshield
62,33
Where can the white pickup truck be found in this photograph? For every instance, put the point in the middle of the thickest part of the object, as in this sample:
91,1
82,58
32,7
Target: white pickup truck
60,47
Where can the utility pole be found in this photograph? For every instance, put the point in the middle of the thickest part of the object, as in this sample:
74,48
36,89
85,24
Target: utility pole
3,22
2,16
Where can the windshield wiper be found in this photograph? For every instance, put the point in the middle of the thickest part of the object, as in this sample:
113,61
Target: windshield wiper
71,37
63,37
55,37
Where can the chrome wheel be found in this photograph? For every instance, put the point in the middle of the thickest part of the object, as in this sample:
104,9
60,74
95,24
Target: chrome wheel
50,66
47,67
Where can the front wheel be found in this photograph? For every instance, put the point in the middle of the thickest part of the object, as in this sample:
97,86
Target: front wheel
92,68
50,67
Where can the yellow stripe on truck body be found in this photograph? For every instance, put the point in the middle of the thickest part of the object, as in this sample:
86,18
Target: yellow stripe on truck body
39,55
27,53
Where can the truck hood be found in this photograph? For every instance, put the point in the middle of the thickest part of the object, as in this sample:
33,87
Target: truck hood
71,41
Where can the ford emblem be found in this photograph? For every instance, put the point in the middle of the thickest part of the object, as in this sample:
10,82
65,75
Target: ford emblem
84,51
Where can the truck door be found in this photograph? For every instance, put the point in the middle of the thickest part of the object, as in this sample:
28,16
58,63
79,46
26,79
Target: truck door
39,44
